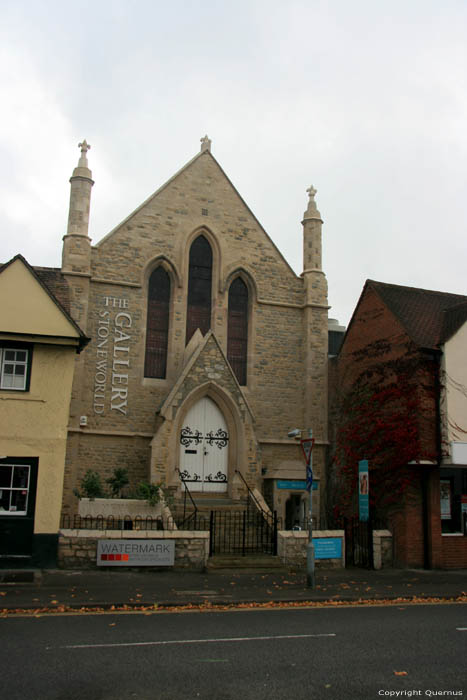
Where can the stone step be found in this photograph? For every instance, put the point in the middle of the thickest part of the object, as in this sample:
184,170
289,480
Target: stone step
249,562
207,504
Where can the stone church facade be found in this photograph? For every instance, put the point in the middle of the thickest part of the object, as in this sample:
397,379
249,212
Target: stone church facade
206,348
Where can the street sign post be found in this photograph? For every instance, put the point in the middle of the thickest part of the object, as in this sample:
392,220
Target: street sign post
307,447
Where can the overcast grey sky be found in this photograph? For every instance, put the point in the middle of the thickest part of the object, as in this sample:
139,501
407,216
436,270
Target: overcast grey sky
366,100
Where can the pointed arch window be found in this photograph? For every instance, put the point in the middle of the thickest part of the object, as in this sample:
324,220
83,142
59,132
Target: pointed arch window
199,288
157,327
237,331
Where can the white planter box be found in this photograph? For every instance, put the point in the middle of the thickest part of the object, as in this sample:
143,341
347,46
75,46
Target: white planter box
118,508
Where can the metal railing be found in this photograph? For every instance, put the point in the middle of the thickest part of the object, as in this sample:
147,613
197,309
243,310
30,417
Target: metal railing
191,517
112,522
242,533
252,497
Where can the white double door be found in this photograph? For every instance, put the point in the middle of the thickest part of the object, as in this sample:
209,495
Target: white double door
204,448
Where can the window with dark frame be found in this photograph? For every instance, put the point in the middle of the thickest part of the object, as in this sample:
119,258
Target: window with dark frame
14,488
199,288
453,497
237,331
157,326
14,368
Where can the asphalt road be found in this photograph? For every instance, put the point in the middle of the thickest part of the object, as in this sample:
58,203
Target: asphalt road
349,653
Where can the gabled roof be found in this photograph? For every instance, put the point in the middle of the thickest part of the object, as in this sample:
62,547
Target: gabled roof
55,287
201,154
203,342
429,317
454,318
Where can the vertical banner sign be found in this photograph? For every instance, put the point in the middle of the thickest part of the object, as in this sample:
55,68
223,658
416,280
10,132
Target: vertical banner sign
307,447
363,491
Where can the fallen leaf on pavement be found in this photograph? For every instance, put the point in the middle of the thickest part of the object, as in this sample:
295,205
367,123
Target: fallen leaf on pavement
401,673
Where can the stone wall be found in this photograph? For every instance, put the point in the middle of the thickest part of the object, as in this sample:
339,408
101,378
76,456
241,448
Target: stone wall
77,549
382,549
116,414
292,548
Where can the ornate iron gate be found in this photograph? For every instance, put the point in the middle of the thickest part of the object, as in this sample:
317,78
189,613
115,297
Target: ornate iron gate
242,532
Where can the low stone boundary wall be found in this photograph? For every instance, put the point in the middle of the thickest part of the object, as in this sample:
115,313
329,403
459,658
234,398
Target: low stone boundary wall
382,549
292,545
77,549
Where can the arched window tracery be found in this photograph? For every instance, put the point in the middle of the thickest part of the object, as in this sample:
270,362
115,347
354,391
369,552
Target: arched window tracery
237,331
199,288
157,326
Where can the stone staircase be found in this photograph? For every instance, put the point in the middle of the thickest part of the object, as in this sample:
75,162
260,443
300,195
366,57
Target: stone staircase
236,529
206,503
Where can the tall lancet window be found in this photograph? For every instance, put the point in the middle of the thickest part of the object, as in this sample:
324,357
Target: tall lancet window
237,332
157,327
198,313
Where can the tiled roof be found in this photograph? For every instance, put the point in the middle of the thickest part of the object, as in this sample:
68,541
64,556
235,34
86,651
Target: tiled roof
454,318
56,283
429,317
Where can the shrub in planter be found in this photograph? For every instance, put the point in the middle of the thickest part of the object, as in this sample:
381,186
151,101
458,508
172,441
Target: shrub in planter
91,486
118,481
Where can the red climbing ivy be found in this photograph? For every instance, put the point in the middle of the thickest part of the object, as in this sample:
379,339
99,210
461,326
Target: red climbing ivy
385,414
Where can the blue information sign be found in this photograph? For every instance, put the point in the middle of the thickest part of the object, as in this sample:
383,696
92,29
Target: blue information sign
299,484
363,490
327,547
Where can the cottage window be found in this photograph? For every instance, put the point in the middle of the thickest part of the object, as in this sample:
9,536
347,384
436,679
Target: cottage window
157,327
14,368
199,288
14,488
237,332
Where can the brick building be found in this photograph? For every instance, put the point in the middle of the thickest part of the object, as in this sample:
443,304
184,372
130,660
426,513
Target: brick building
206,347
400,400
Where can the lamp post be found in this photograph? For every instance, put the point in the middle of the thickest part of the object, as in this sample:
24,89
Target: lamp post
307,447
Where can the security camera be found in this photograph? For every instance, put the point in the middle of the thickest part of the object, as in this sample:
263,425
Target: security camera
294,433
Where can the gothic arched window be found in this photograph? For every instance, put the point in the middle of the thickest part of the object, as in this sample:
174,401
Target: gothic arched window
237,331
198,313
157,327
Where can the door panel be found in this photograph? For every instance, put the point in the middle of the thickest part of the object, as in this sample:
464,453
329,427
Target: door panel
18,480
204,445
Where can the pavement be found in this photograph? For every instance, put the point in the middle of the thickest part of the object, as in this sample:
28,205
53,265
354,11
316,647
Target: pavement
62,590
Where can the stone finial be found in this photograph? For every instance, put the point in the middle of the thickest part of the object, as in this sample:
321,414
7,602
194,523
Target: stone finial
312,209
83,161
205,144
311,191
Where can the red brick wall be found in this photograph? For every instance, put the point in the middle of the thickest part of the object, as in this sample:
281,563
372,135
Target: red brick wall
374,325
453,552
406,524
